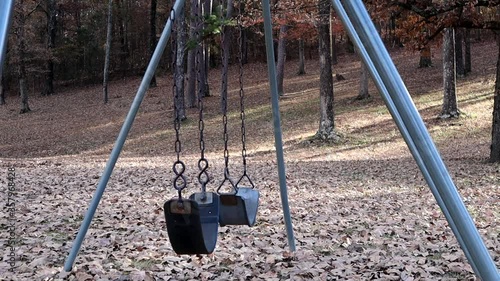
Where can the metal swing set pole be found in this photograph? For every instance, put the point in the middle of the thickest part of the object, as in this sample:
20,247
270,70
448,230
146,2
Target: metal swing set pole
6,9
122,136
397,119
179,4
278,140
358,23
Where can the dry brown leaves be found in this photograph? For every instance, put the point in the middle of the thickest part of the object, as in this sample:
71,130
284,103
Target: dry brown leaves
352,221
361,210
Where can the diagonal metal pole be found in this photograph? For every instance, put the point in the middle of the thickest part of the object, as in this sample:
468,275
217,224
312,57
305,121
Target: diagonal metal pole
278,140
399,122
6,9
440,176
122,136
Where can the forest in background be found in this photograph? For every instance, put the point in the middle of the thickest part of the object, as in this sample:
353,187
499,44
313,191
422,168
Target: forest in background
55,43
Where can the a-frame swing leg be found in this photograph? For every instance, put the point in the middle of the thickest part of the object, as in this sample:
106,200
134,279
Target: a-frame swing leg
278,140
122,136
424,152
399,122
6,9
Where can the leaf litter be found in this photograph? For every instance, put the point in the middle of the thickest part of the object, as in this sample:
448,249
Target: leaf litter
360,208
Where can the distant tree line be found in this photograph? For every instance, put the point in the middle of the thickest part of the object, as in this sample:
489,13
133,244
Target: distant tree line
62,42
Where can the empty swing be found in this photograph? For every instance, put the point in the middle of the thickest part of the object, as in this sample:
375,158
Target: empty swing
240,206
192,224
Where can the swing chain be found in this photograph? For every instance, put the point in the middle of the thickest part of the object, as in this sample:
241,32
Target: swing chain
178,166
242,103
224,113
203,177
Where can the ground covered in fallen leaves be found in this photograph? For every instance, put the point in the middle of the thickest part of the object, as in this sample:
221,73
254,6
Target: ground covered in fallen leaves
360,208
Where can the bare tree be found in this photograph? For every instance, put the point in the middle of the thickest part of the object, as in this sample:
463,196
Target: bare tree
226,40
21,46
51,40
200,68
495,132
2,92
459,54
468,61
326,129
425,57
180,36
108,50
363,83
302,69
191,60
280,67
206,10
123,35
450,107
152,36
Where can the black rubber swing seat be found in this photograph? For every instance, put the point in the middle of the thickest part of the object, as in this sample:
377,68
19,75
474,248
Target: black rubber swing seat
192,224
239,208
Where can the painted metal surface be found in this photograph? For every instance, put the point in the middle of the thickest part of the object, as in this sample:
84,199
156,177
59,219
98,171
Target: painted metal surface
6,10
278,139
425,149
122,136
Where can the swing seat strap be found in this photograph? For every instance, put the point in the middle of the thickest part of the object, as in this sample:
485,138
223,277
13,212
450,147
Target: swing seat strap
192,224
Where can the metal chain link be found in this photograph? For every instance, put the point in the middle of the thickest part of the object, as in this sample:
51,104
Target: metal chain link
242,103
178,167
203,177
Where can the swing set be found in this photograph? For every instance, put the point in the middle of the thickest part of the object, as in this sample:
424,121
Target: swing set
192,223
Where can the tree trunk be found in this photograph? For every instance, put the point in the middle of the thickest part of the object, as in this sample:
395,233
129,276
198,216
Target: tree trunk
122,31
226,40
152,36
478,31
2,92
326,129
108,51
180,41
425,57
207,10
495,134
51,40
363,83
302,69
201,48
23,92
349,45
459,54
450,108
280,68
244,45
468,60
334,49
332,40
191,61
